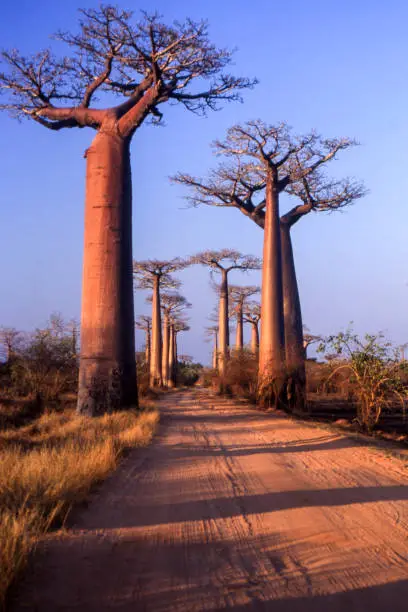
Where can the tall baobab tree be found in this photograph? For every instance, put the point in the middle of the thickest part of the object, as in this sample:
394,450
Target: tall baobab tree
172,305
223,262
238,295
252,315
155,274
261,162
144,323
146,63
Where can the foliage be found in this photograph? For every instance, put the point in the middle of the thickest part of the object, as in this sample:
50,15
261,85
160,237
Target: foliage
44,364
375,372
188,372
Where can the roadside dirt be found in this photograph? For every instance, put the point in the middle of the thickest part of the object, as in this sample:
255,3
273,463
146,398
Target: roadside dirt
233,509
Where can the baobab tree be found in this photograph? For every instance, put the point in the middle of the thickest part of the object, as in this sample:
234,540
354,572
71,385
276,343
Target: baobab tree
252,315
146,63
211,334
172,305
155,274
261,162
238,295
223,262
144,323
177,324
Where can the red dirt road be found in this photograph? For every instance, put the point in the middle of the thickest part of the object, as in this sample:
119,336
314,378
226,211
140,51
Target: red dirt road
234,509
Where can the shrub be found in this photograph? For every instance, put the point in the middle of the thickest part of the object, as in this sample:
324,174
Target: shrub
374,369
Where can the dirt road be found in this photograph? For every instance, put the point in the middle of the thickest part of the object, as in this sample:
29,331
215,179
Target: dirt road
234,509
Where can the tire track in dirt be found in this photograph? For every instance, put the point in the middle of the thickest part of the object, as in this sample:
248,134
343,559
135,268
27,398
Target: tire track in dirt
234,509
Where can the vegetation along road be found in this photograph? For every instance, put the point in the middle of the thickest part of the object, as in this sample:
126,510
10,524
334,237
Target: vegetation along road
232,508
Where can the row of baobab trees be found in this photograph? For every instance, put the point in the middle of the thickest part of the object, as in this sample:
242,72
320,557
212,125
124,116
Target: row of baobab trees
148,64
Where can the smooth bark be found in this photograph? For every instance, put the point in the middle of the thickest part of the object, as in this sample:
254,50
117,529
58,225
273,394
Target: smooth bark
223,325
239,338
215,352
254,337
271,376
172,377
294,347
147,347
107,373
156,347
166,350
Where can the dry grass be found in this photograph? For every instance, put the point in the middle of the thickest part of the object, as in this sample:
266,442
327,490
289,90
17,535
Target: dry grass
50,464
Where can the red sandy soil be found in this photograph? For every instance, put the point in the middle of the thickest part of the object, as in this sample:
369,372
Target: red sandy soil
235,509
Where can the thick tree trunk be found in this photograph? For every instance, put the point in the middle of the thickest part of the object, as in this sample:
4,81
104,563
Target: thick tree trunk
171,357
254,338
294,348
107,373
239,339
271,375
156,347
223,325
166,350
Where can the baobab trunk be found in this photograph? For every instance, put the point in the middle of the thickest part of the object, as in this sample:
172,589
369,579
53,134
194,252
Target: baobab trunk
107,373
215,352
156,347
254,338
171,357
271,373
166,350
223,323
147,348
294,349
239,339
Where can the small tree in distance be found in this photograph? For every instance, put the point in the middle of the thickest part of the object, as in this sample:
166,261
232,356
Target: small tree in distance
155,274
239,295
222,262
252,315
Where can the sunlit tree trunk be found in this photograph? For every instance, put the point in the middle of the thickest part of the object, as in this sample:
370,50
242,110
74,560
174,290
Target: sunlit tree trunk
239,339
107,374
223,325
254,338
271,377
166,350
147,347
172,381
294,347
215,352
156,346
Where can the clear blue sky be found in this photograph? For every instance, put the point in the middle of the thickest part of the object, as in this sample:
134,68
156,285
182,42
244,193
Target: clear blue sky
338,67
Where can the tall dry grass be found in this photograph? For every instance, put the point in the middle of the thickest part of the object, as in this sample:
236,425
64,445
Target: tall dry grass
50,464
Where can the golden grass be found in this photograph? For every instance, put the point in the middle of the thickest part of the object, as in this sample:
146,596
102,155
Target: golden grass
50,464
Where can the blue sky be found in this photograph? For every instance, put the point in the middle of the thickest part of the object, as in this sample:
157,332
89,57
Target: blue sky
338,67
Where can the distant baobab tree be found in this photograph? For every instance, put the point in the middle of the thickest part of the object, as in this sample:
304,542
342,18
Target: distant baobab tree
172,305
177,324
155,274
261,162
252,315
211,333
146,63
309,339
238,296
144,323
223,262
